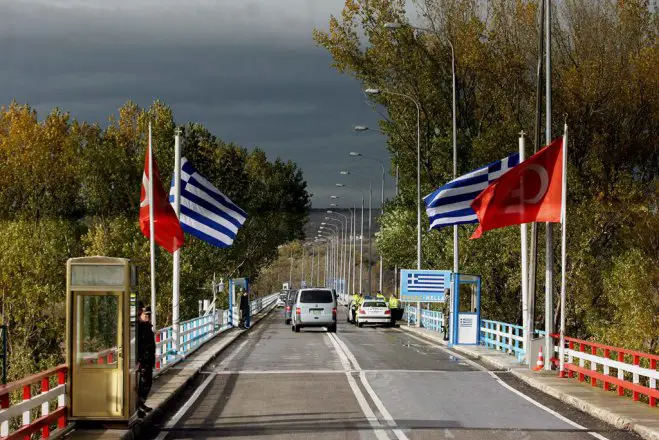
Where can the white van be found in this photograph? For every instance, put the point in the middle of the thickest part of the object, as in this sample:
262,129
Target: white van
314,307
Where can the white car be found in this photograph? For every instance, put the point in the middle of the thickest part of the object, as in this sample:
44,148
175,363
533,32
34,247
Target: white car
373,311
281,301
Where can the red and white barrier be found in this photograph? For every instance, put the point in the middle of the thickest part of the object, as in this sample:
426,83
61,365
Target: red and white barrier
613,366
37,393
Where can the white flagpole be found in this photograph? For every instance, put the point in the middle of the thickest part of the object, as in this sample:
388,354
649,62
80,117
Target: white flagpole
152,234
561,349
177,254
549,240
525,269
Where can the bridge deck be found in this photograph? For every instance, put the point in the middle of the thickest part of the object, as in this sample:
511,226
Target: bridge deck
364,384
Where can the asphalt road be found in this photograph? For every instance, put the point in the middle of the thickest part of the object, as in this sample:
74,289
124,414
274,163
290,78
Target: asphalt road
370,384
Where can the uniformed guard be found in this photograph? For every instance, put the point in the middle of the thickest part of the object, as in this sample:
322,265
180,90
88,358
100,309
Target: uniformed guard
394,306
146,358
354,306
446,313
380,296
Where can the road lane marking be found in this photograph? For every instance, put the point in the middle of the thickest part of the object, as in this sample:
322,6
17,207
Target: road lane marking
184,409
376,400
549,410
361,400
514,390
195,396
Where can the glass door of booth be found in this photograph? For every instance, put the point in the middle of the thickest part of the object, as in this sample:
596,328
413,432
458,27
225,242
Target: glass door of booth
97,360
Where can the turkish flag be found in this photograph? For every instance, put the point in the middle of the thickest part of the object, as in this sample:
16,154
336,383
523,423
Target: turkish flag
529,192
166,227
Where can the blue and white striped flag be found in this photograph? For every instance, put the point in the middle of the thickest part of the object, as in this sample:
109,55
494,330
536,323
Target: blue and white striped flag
451,203
206,213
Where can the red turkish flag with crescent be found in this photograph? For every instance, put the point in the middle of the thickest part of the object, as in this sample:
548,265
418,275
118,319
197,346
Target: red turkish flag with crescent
167,229
529,192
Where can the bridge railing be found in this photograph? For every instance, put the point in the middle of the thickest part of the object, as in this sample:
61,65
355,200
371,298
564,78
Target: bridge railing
25,405
195,332
628,372
430,319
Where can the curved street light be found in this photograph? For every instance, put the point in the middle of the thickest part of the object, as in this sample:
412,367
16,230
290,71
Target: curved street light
372,91
361,236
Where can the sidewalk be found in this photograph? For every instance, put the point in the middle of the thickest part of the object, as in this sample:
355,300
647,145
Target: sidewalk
169,386
620,412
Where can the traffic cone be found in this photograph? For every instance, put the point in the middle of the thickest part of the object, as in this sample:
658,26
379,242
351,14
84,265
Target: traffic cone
540,364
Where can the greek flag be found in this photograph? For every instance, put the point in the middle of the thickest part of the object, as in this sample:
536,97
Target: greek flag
451,203
206,213
426,282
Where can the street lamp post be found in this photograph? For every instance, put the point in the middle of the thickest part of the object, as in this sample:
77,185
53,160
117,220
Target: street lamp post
346,261
370,210
361,237
355,154
455,128
418,168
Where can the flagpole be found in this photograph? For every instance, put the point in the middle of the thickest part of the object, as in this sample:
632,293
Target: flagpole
549,241
152,236
561,348
525,269
176,278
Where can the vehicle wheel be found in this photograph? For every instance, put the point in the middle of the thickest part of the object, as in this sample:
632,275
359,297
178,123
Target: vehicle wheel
288,321
296,329
331,329
293,328
360,325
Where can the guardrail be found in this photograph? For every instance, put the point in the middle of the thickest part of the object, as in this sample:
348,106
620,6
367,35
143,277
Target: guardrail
195,332
505,337
30,415
612,367
17,421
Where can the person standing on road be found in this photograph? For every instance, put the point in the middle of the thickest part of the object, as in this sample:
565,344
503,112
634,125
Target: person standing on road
446,313
244,310
146,358
394,306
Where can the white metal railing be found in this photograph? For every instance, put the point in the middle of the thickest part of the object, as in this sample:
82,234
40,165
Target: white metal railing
433,320
195,332
38,407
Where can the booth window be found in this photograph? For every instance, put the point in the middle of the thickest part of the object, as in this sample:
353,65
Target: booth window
98,330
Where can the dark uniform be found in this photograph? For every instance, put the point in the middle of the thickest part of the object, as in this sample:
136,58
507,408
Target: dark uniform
146,361
446,314
244,310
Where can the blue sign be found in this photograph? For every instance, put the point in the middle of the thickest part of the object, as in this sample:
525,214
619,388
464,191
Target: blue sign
424,285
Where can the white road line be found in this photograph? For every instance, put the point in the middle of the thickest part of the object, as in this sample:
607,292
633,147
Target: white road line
549,410
361,400
378,403
184,409
516,391
195,396
257,372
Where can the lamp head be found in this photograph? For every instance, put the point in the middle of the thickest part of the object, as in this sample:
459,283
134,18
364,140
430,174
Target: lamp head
330,212
355,154
360,128
393,25
372,91
340,185
344,173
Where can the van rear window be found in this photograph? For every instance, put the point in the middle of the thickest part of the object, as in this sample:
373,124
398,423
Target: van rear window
316,296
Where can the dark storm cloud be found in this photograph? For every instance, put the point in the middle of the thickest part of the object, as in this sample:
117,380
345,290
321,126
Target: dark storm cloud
251,74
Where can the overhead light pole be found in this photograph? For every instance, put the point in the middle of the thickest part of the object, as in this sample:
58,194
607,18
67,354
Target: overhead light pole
359,155
455,128
373,91
361,236
370,216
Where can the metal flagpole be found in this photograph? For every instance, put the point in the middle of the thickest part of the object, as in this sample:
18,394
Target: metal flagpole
525,269
313,261
549,261
533,262
302,278
177,254
381,214
561,349
152,236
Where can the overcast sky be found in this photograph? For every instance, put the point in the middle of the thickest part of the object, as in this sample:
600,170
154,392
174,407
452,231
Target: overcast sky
248,70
